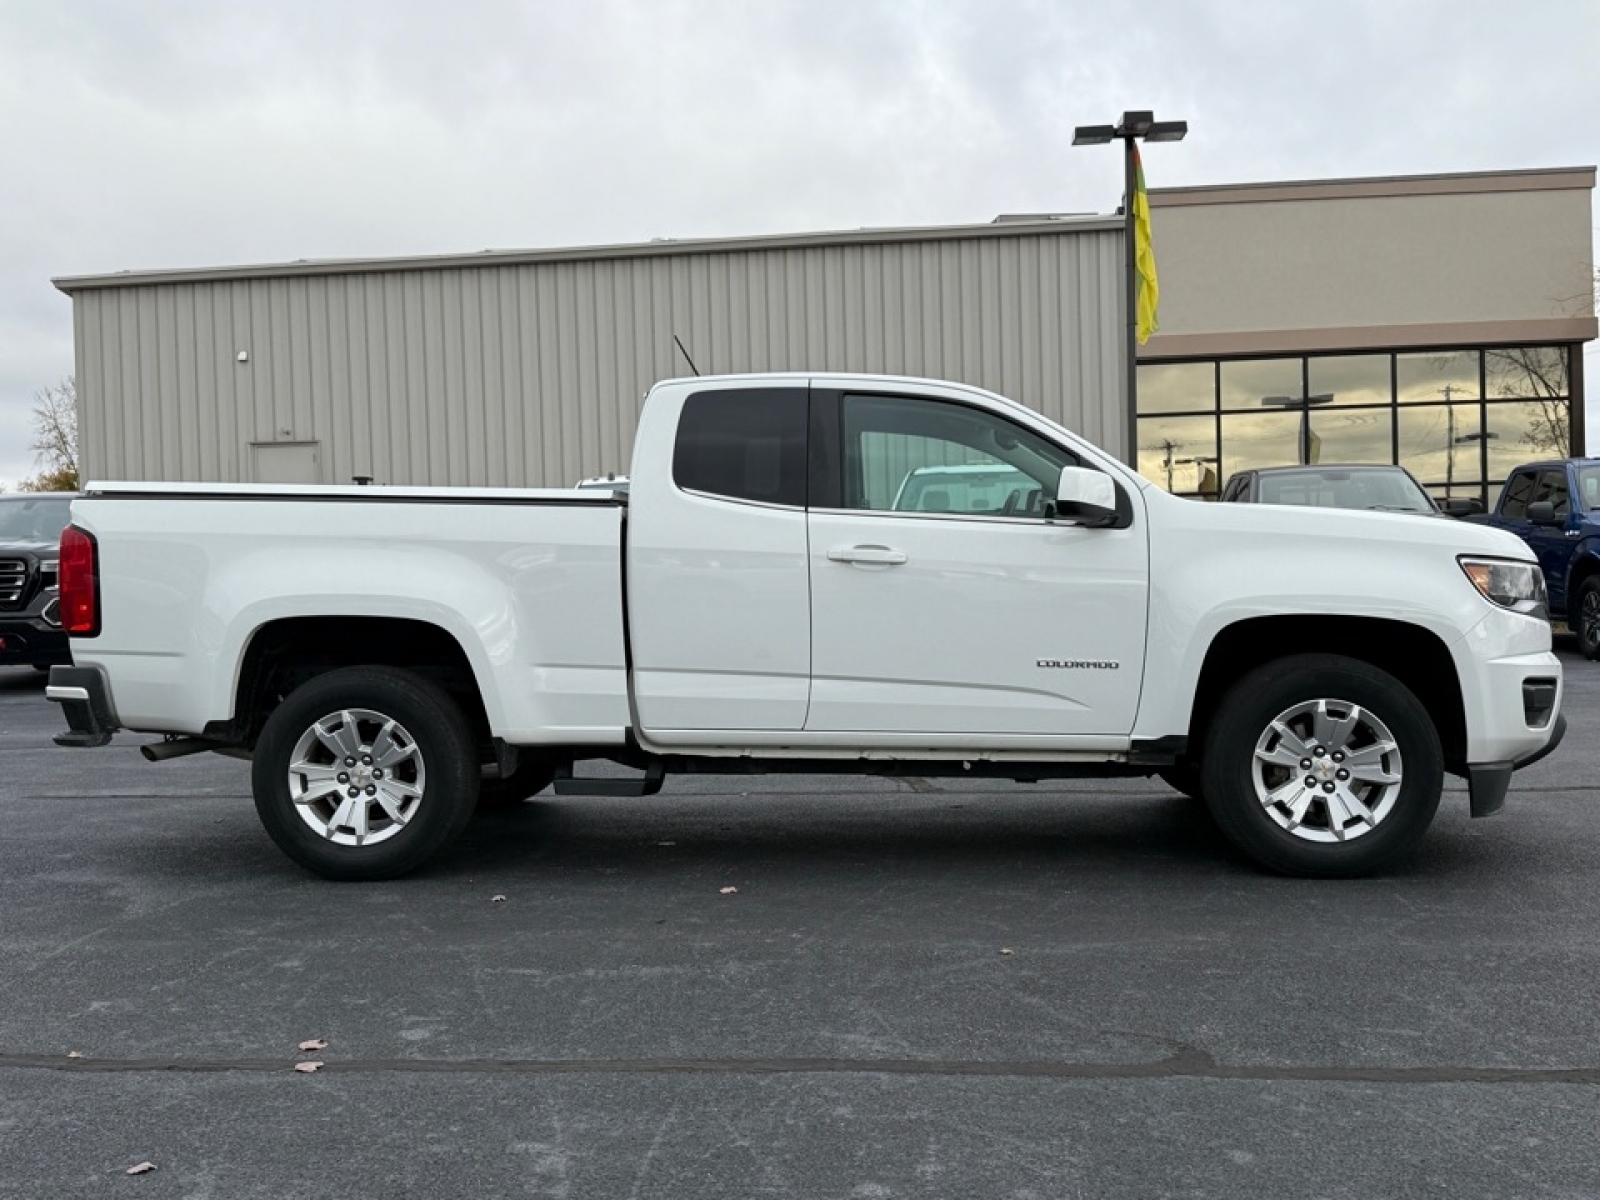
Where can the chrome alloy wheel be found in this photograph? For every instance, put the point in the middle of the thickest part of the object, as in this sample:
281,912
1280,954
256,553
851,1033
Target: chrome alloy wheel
1327,770
356,777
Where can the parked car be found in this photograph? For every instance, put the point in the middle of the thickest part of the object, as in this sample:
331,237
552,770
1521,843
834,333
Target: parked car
764,608
30,608
969,488
1358,486
1553,506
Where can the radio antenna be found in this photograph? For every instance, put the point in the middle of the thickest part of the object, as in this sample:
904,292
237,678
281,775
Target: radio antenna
685,354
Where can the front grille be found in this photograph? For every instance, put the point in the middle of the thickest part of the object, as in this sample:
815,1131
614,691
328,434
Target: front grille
13,581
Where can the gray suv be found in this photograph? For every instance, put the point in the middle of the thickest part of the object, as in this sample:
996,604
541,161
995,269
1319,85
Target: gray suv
30,608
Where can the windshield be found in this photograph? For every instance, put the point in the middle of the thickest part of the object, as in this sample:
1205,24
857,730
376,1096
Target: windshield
1386,489
1589,485
33,518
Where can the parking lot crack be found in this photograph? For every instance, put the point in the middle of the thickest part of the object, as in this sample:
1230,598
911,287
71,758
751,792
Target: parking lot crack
1185,1064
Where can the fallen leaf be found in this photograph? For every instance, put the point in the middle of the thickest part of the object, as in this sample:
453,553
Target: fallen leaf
74,1054
141,1168
728,891
306,1068
497,899
1005,950
314,1044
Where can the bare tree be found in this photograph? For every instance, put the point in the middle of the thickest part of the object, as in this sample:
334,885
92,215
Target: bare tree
55,440
1537,374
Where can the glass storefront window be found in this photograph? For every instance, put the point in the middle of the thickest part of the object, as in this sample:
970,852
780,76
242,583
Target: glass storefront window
1520,431
1259,439
1350,379
1247,381
1527,372
1177,387
1179,453
1441,445
1436,376
1355,436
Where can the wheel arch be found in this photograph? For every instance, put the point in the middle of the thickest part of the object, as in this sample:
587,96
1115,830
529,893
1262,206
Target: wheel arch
1416,656
285,653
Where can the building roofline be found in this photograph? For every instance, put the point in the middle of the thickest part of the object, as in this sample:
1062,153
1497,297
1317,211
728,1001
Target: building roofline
1539,179
664,247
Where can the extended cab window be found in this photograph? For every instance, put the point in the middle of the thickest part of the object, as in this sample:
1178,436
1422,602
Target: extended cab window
930,456
1519,490
744,443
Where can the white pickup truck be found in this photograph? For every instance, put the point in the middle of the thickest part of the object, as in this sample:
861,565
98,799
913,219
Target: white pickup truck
758,603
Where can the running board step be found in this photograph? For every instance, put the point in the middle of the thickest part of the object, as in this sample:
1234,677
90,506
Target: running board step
647,784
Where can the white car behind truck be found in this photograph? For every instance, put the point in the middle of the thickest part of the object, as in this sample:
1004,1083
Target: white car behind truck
757,603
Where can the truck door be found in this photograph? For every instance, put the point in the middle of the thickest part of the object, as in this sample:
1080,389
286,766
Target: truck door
1553,544
718,590
971,613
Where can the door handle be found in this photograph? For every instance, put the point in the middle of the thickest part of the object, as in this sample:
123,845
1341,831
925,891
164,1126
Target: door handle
867,554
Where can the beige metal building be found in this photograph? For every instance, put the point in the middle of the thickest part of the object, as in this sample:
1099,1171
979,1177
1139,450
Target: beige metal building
528,368
1435,321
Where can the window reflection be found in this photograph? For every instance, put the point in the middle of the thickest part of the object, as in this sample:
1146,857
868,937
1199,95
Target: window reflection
1362,436
1447,375
1527,372
1260,439
1245,382
1177,387
1350,378
1179,453
1443,444
1523,430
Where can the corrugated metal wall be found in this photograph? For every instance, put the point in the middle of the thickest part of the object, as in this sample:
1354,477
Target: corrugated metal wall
531,373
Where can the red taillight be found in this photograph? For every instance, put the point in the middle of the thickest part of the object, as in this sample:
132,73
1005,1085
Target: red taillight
80,582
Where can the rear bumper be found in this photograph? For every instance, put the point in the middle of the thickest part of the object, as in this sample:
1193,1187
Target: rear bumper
85,700
32,641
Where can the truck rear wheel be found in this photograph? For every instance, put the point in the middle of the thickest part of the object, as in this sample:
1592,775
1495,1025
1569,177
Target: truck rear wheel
365,773
1322,766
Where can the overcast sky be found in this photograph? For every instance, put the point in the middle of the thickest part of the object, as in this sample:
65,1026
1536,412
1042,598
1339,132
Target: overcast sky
176,133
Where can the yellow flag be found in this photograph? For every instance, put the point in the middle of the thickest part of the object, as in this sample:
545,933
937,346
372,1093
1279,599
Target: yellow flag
1148,299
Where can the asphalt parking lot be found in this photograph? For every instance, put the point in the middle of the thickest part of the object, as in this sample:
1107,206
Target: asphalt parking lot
921,988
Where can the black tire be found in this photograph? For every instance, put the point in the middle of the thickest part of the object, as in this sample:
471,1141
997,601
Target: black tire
437,748
1403,812
1587,626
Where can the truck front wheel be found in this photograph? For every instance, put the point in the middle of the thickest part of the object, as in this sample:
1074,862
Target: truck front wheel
1587,626
1322,766
365,773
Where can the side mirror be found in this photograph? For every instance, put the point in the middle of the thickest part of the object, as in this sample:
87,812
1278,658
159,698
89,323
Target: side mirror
1542,512
1085,496
1460,506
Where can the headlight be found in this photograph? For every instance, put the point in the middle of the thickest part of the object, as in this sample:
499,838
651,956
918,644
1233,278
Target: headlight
1518,586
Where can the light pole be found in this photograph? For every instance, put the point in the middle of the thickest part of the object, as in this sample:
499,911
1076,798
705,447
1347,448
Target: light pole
1304,404
1450,464
1135,126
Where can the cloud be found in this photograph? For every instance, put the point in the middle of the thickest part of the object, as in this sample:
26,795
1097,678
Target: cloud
192,133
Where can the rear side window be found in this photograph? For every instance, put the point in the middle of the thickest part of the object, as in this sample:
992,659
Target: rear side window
1519,490
745,444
